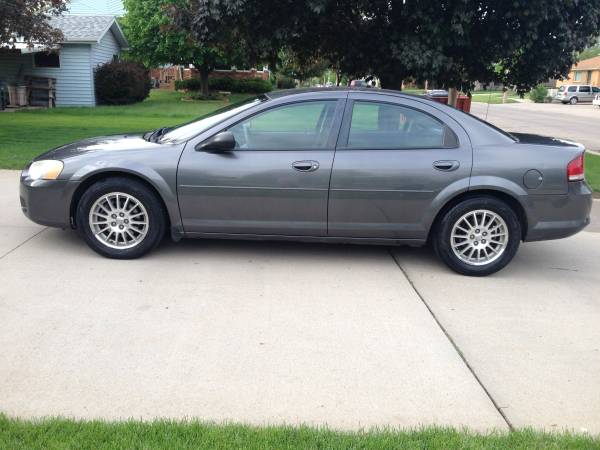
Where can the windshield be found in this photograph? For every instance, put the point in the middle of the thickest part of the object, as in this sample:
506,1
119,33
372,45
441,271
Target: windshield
203,123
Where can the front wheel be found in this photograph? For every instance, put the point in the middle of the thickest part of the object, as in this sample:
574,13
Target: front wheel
478,236
120,218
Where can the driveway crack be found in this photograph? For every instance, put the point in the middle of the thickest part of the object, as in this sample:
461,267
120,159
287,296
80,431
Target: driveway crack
456,347
23,243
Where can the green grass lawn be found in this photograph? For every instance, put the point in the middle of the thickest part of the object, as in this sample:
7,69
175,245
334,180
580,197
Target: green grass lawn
68,434
25,134
592,171
493,97
478,96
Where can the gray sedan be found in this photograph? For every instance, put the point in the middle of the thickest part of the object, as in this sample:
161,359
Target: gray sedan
338,165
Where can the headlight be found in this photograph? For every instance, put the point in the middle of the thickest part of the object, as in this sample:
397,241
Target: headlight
45,170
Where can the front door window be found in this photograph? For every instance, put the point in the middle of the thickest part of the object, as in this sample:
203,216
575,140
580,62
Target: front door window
300,126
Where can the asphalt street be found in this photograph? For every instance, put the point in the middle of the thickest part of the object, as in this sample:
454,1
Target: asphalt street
580,123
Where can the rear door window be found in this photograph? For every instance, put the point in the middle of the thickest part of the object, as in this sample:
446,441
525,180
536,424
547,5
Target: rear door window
584,89
376,125
572,89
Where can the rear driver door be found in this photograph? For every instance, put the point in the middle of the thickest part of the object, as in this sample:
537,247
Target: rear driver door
394,157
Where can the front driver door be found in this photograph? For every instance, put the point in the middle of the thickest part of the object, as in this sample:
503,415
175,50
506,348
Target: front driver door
276,180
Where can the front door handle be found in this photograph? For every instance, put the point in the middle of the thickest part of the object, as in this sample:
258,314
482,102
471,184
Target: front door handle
446,166
305,166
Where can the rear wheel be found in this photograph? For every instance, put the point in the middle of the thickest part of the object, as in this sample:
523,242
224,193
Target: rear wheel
573,100
478,236
121,218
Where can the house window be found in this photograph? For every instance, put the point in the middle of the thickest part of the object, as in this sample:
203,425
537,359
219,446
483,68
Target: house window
46,59
577,76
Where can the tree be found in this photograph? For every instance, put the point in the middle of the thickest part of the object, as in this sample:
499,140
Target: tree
450,42
28,21
547,44
291,66
154,39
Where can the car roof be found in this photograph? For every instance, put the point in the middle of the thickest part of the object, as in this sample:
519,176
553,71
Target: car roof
370,90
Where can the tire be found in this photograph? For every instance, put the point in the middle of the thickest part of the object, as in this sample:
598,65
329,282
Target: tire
573,100
493,216
121,218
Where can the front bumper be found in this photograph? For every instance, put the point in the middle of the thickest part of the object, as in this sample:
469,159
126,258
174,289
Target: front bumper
47,202
559,216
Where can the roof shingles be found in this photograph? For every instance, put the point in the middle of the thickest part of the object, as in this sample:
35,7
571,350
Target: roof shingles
82,28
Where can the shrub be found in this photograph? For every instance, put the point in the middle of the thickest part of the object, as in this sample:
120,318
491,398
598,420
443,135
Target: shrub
245,85
539,93
253,86
191,84
121,83
223,84
229,84
286,83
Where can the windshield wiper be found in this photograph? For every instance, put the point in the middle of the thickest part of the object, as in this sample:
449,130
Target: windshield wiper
154,136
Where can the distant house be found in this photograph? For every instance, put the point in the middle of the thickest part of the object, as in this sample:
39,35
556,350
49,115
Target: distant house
586,71
88,42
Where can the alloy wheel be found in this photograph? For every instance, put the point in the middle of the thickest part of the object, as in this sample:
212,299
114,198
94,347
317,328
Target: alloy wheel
119,220
479,237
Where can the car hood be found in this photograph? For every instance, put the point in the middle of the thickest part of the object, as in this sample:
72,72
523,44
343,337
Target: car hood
124,142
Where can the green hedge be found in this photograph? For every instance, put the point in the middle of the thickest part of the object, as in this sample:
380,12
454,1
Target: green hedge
191,84
251,85
286,83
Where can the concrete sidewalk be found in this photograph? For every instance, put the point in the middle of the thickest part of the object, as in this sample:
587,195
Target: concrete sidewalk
531,332
294,333
248,332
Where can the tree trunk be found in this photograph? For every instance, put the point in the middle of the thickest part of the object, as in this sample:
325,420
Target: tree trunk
204,80
338,77
452,97
391,82
504,95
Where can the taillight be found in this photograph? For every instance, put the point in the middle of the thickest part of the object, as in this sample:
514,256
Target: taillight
575,169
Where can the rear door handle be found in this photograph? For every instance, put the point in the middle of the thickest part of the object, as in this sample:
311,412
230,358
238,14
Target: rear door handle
305,166
446,166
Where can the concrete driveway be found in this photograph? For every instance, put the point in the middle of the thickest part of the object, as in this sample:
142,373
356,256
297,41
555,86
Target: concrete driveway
574,122
349,336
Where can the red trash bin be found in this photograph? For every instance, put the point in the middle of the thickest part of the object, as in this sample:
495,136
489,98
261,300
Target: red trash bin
463,102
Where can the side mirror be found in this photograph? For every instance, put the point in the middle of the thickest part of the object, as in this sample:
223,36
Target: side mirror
221,142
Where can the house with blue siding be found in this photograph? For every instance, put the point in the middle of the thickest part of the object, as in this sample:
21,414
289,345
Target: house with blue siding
89,41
